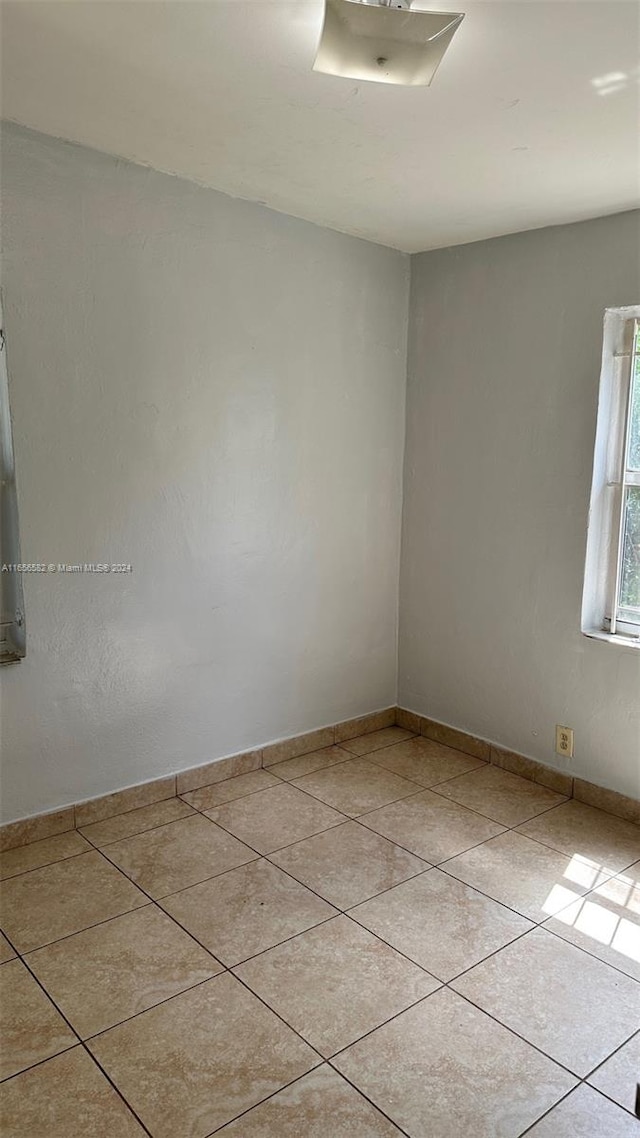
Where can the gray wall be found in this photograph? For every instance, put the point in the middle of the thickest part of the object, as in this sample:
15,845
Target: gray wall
215,393
504,363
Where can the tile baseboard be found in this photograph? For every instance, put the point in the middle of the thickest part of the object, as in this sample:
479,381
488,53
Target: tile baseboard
47,825
39,826
217,771
146,793
365,724
608,800
533,770
59,821
452,737
611,801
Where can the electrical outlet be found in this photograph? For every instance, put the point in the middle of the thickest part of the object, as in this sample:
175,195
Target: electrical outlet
564,741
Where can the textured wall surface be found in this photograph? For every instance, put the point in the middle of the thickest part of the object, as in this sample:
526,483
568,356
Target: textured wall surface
504,365
214,393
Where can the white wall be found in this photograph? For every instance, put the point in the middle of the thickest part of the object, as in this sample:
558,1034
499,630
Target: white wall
214,393
504,363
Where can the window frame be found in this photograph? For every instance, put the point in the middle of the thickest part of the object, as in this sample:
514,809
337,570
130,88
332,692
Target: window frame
12,619
612,478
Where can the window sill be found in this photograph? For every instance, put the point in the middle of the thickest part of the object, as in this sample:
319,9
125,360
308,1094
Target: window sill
620,640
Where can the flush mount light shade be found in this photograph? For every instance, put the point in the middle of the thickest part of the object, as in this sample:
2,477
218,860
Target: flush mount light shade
384,43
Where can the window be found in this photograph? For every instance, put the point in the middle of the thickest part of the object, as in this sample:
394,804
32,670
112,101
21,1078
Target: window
611,602
12,628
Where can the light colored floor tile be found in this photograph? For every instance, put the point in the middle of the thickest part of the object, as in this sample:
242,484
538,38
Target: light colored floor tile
532,879
66,1097
575,828
32,1029
115,970
618,1076
425,762
440,923
247,910
315,761
57,900
348,864
586,1114
320,1105
197,1061
275,818
574,1008
208,796
500,795
6,951
431,826
607,922
23,858
136,821
172,857
335,982
374,740
443,1069
356,787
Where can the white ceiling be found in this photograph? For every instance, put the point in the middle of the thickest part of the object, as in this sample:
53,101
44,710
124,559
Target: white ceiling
532,118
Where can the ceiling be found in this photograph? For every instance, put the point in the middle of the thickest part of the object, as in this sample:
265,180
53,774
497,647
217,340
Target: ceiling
531,120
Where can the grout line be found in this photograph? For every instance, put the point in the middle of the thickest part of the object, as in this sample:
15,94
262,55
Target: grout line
483,1012
385,746
628,1109
538,814
277,1014
117,1090
493,746
343,818
329,766
163,896
197,810
593,955
335,917
84,1047
294,936
95,925
138,833
46,864
348,910
224,970
548,1112
602,1063
428,866
74,807
167,999
391,1019
356,819
255,1106
535,1046
605,1094
366,1097
129,810
248,988
41,1062
249,793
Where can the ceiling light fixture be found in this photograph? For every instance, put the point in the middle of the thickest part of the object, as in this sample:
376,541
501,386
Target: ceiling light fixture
384,40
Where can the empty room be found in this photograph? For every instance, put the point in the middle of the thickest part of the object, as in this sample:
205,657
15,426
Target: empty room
320,569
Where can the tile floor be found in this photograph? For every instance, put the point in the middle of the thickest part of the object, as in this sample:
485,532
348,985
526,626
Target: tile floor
387,937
